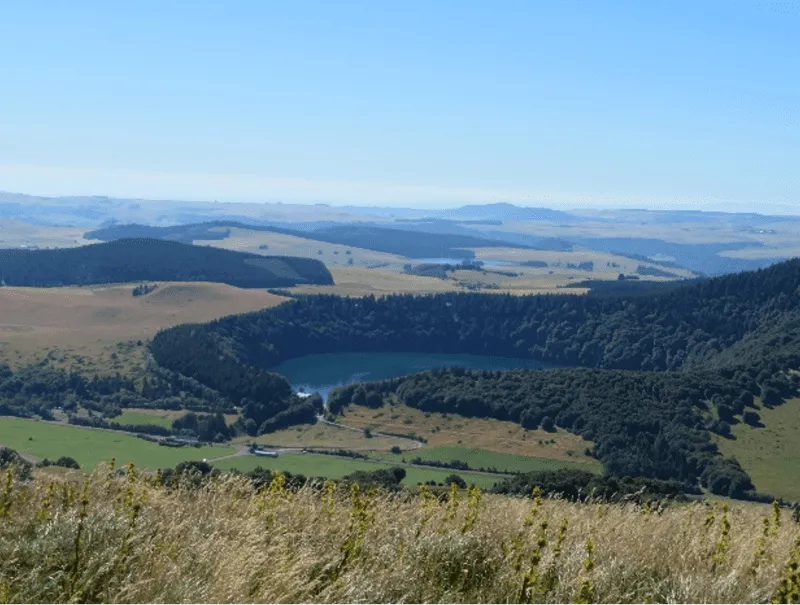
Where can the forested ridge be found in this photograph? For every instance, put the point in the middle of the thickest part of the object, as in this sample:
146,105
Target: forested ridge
155,260
676,364
405,242
652,424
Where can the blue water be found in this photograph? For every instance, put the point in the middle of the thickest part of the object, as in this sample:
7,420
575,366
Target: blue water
322,373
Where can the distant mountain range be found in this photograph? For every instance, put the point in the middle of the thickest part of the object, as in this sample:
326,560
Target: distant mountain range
505,212
93,210
408,243
418,233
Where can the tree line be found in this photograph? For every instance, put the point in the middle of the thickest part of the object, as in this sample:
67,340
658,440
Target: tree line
641,423
654,373
146,260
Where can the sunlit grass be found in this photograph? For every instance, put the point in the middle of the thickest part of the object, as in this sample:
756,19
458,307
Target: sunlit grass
127,539
90,447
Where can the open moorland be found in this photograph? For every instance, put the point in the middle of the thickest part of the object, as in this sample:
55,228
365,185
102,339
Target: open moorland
442,429
325,436
104,328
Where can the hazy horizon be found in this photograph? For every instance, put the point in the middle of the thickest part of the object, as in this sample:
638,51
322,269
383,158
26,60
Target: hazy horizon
788,210
567,104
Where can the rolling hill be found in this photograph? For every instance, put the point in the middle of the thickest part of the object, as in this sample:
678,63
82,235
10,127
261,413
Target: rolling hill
404,242
131,260
648,378
503,211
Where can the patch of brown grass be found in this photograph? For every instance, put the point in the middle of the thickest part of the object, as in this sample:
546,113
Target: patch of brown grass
362,281
333,255
478,433
99,327
322,435
118,539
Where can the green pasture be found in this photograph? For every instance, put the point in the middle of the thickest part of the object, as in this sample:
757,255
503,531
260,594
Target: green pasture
335,467
131,417
477,458
769,453
90,446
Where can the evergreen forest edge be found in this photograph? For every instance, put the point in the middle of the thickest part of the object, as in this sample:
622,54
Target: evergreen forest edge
652,378
655,375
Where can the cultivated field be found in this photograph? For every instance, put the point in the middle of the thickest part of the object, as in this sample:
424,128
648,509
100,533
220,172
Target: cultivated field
606,266
770,454
791,251
335,467
373,272
100,328
333,255
155,416
646,225
479,458
322,435
159,417
18,234
362,281
91,446
473,433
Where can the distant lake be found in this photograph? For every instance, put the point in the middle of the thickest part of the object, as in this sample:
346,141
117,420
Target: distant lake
322,373
443,260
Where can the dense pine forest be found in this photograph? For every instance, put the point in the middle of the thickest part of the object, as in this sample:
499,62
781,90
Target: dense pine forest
647,378
133,260
683,328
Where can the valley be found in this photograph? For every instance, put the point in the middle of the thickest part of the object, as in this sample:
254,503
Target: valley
400,302
107,329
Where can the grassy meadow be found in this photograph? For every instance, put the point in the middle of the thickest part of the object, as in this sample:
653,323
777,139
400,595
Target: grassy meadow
130,416
127,539
478,458
91,447
498,436
335,467
103,329
320,435
770,453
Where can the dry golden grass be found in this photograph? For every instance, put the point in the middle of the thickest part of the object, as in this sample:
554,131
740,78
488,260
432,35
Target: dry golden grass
98,327
558,261
119,539
478,433
699,232
791,251
361,281
246,240
322,435
14,234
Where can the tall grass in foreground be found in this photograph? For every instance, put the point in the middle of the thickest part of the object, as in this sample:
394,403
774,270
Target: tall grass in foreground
127,539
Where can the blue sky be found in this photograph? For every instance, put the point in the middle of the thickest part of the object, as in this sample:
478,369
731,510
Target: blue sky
416,103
